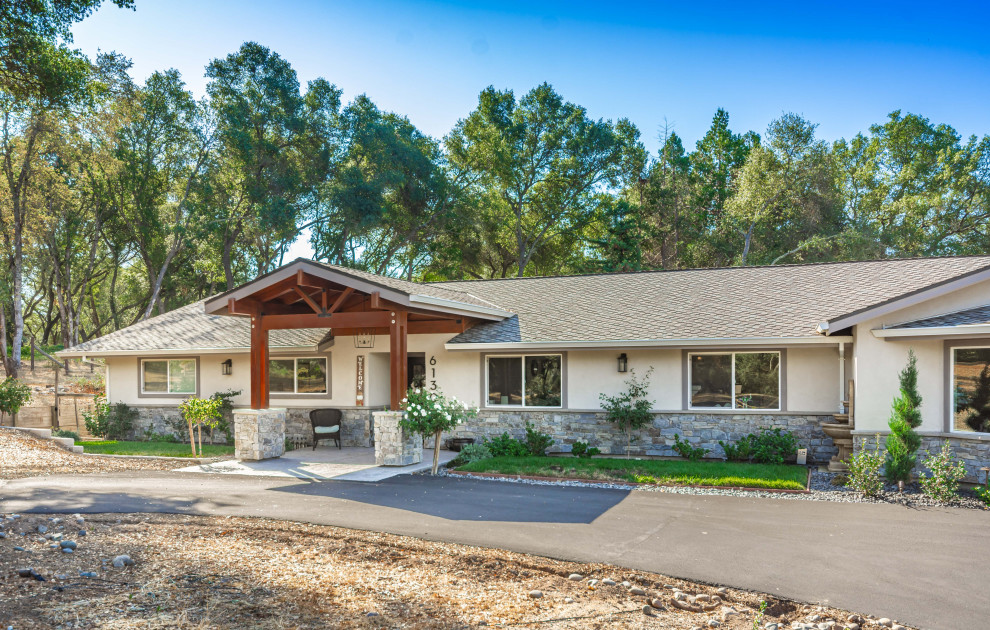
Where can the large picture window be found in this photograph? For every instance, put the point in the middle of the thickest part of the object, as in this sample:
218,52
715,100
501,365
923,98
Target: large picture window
298,375
525,381
971,390
734,380
168,376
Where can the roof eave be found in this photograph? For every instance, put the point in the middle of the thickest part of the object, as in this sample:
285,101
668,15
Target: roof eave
769,342
961,330
71,353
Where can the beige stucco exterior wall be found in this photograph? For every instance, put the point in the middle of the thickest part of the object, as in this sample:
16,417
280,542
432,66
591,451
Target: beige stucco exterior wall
878,362
811,376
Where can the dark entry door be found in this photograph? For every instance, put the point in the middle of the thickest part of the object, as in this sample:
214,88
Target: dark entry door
416,370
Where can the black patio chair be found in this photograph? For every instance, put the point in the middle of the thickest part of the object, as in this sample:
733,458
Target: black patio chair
326,425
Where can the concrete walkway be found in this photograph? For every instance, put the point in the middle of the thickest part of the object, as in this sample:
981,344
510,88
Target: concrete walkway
322,464
922,567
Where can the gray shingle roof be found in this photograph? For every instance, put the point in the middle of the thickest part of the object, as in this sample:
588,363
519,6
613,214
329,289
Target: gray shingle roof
968,317
190,328
736,302
442,291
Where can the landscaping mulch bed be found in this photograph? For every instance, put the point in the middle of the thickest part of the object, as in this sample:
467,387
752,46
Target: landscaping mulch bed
213,572
24,455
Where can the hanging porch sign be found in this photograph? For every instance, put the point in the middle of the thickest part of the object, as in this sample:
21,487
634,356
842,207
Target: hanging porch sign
359,394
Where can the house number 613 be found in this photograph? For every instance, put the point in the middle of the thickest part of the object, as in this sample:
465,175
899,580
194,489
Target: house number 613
433,373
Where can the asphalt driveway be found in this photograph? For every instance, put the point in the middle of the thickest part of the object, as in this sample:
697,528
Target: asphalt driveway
923,567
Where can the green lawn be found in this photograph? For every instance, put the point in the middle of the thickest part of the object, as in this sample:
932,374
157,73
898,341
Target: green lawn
168,449
703,473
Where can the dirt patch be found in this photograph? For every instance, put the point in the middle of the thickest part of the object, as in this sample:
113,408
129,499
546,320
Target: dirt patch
212,572
24,455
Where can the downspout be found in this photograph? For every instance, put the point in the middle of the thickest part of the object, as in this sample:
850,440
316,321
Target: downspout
842,376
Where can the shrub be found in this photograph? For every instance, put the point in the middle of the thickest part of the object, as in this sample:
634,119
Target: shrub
684,449
63,433
630,410
983,494
537,442
151,436
946,471
865,471
13,395
506,446
110,422
431,413
741,451
772,446
903,442
474,452
581,449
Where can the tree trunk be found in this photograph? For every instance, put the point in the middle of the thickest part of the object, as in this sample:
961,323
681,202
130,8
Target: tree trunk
436,452
192,437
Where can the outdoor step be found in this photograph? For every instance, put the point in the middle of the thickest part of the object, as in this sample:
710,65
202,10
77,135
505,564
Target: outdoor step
77,449
42,433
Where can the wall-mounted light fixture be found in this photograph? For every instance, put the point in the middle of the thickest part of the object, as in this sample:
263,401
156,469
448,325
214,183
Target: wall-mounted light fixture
227,367
623,362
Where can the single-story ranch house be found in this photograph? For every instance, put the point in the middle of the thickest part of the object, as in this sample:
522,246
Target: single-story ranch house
731,350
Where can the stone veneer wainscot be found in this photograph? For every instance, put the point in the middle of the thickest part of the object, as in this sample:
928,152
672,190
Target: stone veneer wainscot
394,446
973,451
656,439
259,433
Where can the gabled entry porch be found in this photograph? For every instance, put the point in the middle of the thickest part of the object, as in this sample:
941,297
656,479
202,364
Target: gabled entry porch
348,305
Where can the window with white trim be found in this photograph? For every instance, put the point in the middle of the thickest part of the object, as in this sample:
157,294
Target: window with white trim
734,380
298,375
524,380
168,376
971,390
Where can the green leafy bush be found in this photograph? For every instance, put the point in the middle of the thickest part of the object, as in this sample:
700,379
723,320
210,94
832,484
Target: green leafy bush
473,453
942,484
110,422
684,449
983,494
537,442
13,395
865,471
152,436
506,446
772,446
631,409
741,451
581,449
63,433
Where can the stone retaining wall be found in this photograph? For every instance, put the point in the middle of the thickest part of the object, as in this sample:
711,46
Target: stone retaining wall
974,452
657,439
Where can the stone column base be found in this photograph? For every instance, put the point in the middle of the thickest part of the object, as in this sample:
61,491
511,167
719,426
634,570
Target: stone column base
394,446
259,433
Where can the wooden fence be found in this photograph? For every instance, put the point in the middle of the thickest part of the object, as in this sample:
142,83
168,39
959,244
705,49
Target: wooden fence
67,415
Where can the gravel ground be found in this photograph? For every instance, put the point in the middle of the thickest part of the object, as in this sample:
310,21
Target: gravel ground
213,572
822,489
24,455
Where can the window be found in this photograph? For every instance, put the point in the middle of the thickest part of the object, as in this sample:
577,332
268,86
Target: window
526,381
168,376
735,380
971,389
302,375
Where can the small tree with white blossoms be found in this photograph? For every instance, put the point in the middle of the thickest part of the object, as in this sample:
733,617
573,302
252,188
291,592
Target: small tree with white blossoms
431,413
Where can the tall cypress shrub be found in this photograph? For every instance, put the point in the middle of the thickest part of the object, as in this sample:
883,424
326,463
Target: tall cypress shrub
903,442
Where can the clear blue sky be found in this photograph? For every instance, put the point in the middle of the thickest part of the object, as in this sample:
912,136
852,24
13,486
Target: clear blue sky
844,65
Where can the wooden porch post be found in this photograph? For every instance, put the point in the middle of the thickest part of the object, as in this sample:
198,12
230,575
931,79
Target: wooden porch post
397,331
259,363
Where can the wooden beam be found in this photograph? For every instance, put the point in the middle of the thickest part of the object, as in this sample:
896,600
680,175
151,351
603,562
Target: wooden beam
252,307
359,319
375,302
312,304
259,363
398,357
339,301
438,326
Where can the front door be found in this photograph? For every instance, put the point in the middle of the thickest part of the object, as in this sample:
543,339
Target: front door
416,370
